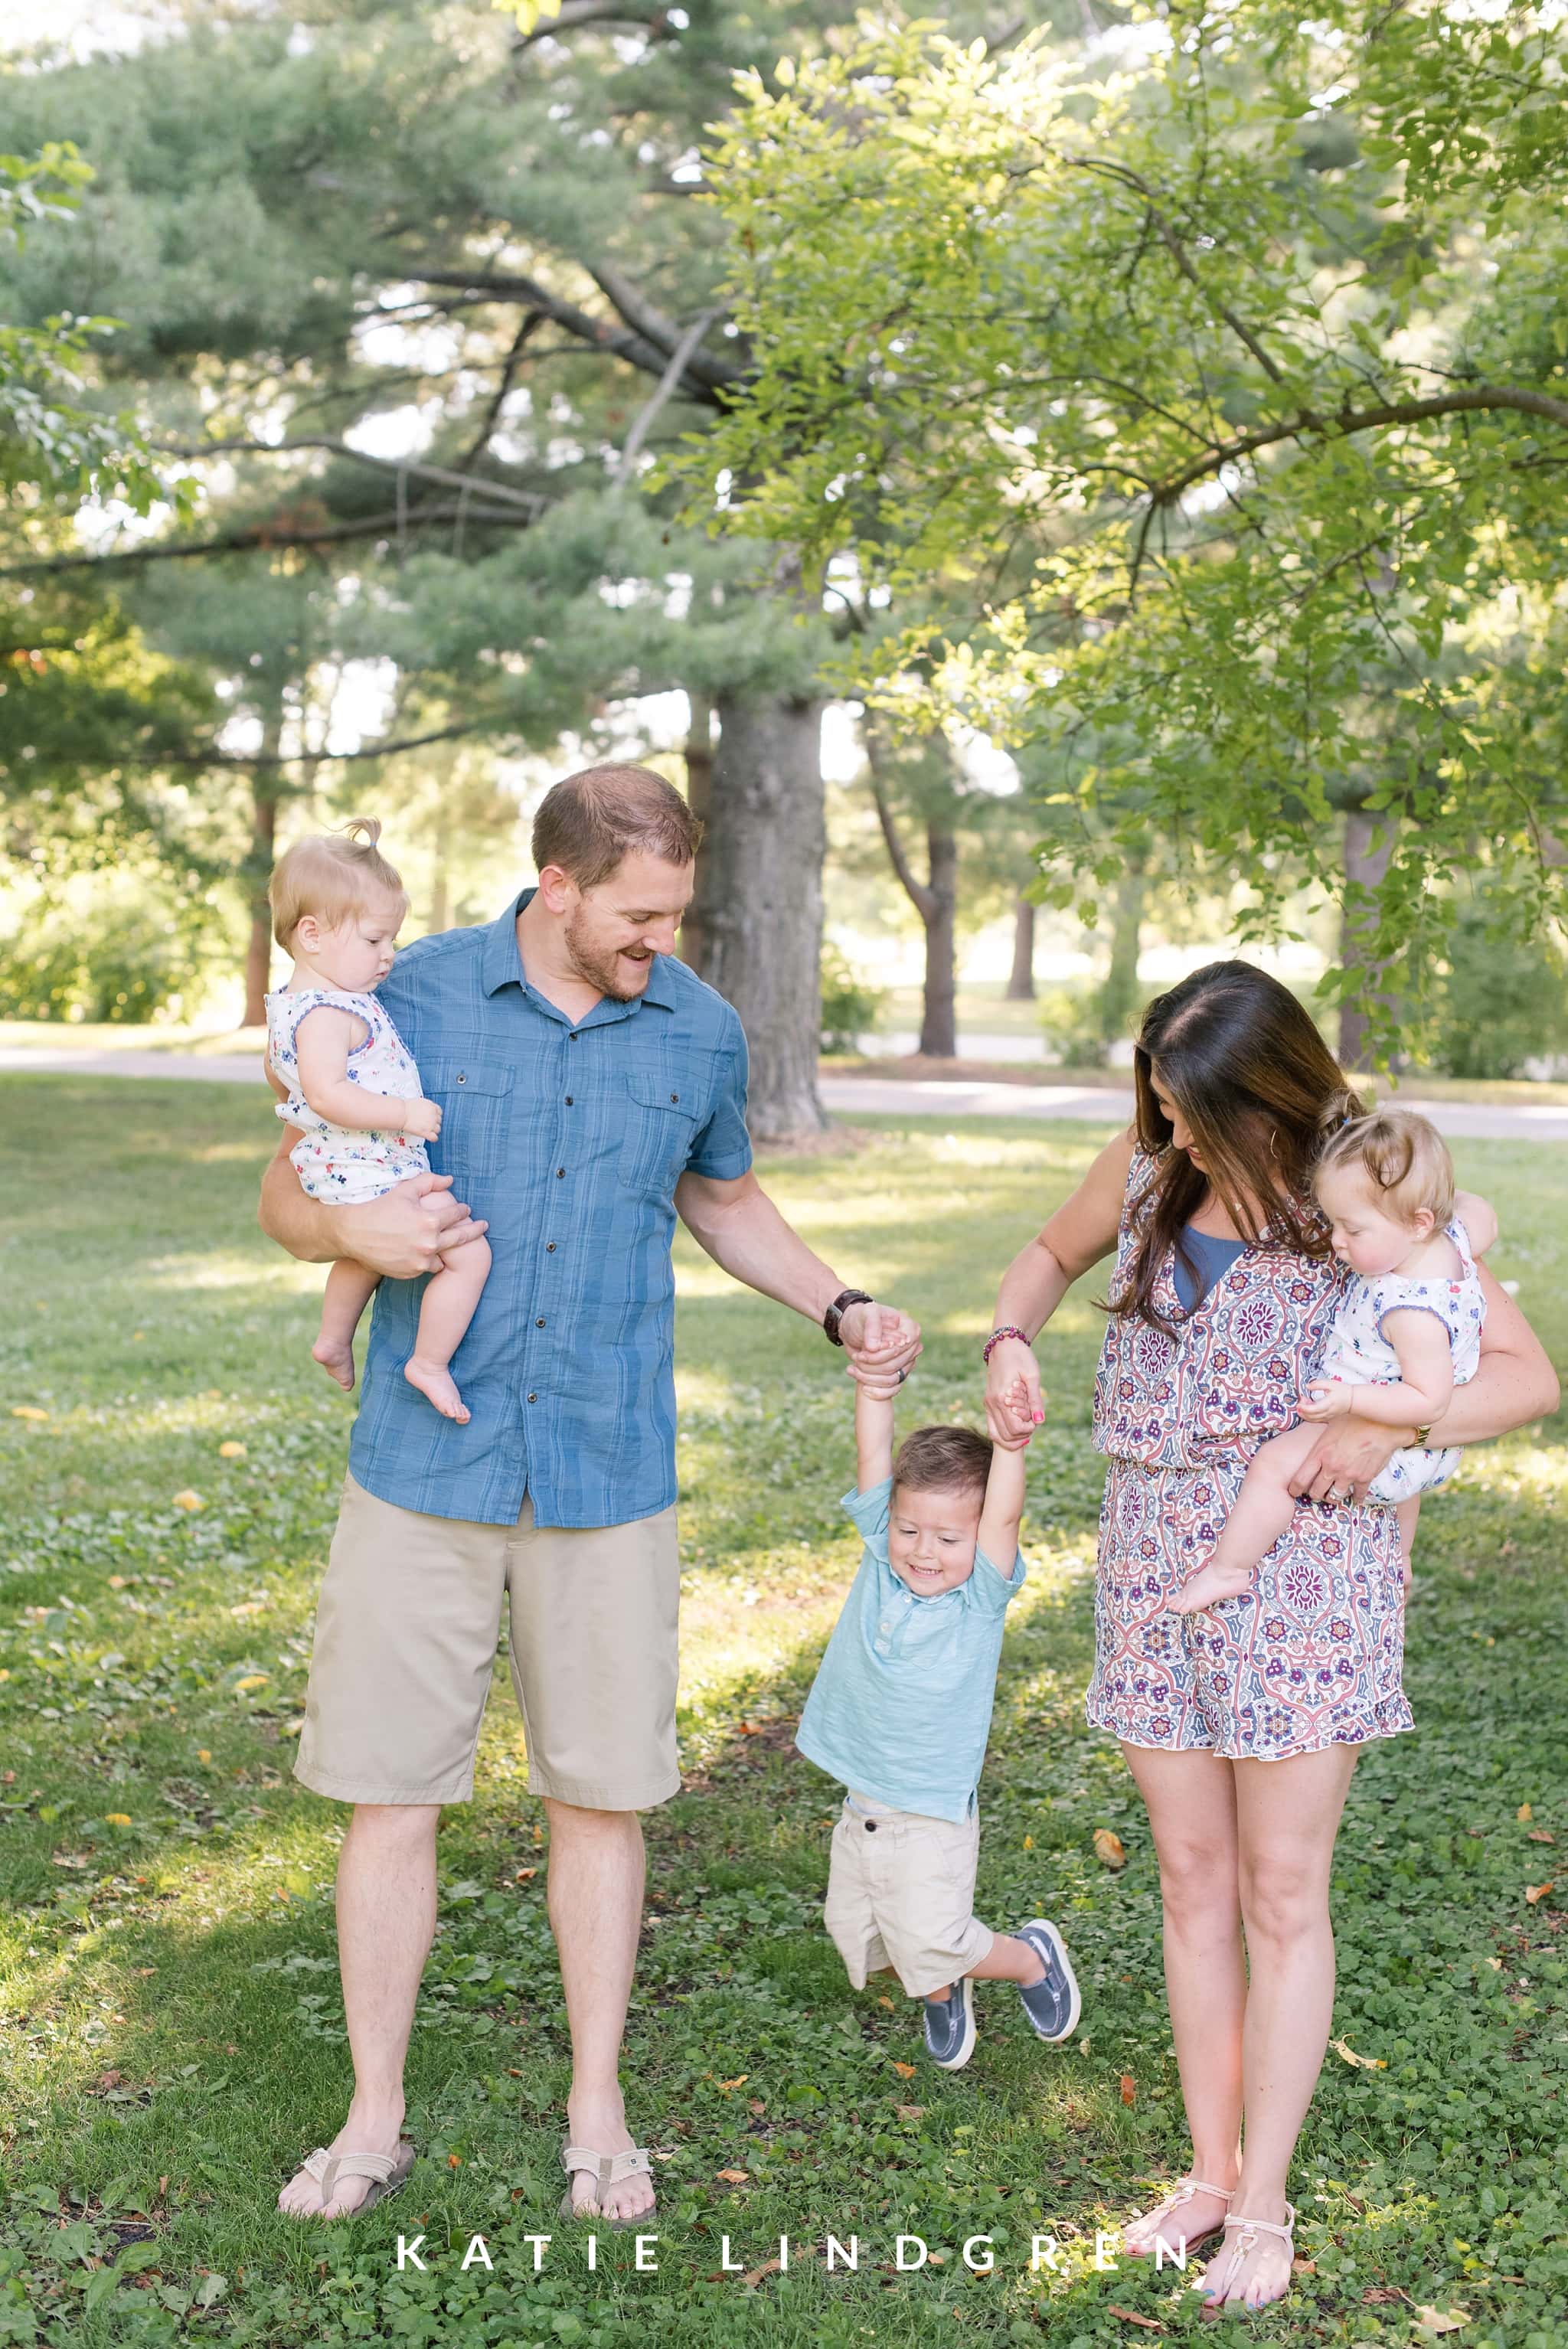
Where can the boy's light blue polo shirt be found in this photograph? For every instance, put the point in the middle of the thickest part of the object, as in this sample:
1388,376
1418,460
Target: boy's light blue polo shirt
900,1708
570,1137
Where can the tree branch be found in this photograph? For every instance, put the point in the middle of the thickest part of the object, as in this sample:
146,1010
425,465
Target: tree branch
311,758
922,898
654,21
599,334
644,317
240,542
529,501
666,384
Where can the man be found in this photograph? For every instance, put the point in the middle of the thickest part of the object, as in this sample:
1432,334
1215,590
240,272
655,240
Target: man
591,1089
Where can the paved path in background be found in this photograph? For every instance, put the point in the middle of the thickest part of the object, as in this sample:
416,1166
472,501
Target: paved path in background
846,1096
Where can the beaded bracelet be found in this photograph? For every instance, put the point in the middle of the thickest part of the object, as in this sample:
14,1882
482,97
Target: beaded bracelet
994,1340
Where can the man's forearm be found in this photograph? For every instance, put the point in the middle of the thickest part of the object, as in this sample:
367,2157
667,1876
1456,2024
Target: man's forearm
751,1241
302,1225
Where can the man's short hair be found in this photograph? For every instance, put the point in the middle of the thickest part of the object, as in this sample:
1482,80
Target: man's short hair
943,1460
587,822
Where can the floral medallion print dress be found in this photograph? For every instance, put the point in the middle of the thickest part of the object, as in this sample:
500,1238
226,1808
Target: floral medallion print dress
1311,1657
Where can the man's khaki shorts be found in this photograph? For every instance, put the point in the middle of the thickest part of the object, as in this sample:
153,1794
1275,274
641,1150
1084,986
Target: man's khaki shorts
406,1632
901,1893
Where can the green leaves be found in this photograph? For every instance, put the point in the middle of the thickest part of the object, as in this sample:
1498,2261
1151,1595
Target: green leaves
1223,384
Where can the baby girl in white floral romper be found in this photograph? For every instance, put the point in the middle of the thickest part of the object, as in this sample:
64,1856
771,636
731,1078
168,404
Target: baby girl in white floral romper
1407,1333
352,1089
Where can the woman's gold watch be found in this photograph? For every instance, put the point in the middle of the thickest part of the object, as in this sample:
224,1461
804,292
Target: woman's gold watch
1424,1437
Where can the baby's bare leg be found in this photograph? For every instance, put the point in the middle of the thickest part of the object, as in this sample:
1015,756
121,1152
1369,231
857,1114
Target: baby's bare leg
444,1317
1264,1507
349,1289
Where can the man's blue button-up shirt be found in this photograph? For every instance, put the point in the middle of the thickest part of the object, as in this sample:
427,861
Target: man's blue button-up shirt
568,1138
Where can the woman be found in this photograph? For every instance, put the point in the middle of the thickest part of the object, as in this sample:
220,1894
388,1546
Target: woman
1240,1725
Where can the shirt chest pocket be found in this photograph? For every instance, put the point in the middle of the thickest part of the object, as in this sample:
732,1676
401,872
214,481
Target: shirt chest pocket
475,1100
660,1112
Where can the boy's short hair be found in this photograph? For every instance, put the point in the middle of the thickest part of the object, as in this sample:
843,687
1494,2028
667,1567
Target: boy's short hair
588,821
1401,1155
943,1460
331,875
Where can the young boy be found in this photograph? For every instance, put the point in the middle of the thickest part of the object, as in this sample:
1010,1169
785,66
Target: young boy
900,1712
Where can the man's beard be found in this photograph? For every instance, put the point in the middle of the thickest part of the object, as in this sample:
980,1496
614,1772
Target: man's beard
602,972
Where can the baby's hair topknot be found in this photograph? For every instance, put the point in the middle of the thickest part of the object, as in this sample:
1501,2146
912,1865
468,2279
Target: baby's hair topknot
1402,1155
331,875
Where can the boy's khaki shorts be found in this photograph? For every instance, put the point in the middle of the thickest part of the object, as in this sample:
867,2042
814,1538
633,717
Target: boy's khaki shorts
406,1632
901,1893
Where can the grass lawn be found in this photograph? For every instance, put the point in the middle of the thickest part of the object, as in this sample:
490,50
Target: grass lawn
170,2033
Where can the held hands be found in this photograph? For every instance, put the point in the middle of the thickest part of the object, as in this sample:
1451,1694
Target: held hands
1015,1401
1331,1400
422,1118
880,1342
402,1234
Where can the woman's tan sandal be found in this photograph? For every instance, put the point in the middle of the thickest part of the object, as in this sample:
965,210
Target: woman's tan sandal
1216,2296
386,2171
609,2169
1151,2221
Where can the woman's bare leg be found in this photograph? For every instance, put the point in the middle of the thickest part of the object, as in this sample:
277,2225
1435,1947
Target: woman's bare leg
349,1289
1263,1509
1287,1815
1409,1515
445,1312
1191,1804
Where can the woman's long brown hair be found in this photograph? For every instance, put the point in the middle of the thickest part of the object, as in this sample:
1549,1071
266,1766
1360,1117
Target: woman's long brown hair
1260,1090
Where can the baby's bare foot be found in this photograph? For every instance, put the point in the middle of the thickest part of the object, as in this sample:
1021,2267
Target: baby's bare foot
434,1380
336,1356
1210,1583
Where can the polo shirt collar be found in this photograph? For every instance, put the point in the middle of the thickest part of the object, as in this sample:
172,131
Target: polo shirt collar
502,965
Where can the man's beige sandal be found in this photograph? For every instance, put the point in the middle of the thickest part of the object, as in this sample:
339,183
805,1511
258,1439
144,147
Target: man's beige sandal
1188,2191
386,2171
1216,2296
608,2168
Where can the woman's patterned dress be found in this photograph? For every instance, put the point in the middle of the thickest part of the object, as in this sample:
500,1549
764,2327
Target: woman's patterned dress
1312,1656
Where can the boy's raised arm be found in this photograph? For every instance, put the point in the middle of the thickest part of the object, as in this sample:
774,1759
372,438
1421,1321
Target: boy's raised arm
873,1436
1003,1513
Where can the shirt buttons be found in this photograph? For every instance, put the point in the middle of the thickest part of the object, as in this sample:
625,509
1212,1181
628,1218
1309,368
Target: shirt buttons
550,1247
533,1398
462,1078
675,1097
559,1173
871,1826
540,1323
568,1101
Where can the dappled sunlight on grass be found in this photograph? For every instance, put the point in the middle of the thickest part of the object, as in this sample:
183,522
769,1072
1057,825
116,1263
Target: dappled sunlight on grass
169,2002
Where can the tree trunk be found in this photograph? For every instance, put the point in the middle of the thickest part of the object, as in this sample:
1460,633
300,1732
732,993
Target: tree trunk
938,1026
1368,845
265,789
1021,983
699,799
759,901
1119,995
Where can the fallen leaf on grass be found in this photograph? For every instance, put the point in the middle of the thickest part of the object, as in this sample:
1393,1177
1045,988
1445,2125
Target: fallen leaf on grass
739,2081
905,2071
188,1500
117,1818
1128,2089
1442,2320
754,2276
1541,1835
1523,1812
1303,2267
888,2004
1130,2316
1362,2063
912,2112
28,1411
230,1452
1110,1849
1534,1892
735,2177
251,1681
116,1582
